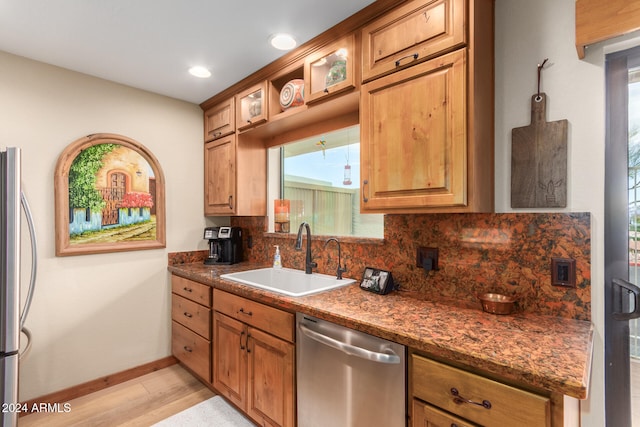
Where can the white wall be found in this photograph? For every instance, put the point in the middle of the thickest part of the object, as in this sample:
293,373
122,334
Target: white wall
94,315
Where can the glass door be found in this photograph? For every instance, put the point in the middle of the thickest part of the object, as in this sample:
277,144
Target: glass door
622,240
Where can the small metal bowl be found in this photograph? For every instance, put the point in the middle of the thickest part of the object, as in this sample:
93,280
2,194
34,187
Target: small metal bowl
497,303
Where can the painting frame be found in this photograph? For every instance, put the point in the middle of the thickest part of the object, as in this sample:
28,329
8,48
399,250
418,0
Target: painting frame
65,213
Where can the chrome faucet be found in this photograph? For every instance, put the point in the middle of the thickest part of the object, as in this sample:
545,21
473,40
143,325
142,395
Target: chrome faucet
339,270
309,265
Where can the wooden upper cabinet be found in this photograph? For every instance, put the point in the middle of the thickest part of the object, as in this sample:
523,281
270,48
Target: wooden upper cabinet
220,176
252,106
415,156
598,20
426,131
219,120
235,176
412,33
331,70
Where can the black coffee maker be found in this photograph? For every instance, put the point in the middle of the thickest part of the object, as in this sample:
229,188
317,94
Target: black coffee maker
225,245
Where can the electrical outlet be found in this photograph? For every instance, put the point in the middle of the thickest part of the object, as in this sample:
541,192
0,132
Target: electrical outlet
425,254
563,272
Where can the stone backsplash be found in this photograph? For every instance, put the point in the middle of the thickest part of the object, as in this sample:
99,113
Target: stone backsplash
508,253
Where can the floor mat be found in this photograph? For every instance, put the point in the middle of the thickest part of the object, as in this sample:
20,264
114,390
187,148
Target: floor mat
215,412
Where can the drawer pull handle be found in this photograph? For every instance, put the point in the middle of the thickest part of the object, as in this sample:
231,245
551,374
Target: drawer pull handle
187,348
248,313
459,399
364,195
187,289
189,315
247,342
413,55
241,346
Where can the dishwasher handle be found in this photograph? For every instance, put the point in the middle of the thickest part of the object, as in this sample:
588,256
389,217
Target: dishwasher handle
352,350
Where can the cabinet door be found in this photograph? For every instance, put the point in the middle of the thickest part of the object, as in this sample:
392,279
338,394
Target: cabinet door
219,120
271,399
412,33
252,106
220,176
331,70
413,138
428,416
230,358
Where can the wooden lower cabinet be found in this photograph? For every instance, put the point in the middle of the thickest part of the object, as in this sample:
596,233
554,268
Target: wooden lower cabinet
441,392
252,368
191,325
192,350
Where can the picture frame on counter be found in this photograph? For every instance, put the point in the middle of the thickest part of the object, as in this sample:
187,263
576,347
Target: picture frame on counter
377,281
109,197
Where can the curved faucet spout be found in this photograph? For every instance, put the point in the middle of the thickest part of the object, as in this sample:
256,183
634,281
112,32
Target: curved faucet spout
339,270
309,265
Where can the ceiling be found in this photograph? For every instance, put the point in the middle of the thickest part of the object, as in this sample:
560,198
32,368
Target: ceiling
150,44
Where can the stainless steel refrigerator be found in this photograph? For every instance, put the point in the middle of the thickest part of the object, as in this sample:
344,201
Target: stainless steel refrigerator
11,320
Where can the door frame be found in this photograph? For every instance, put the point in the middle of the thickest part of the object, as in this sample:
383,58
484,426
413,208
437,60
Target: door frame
616,237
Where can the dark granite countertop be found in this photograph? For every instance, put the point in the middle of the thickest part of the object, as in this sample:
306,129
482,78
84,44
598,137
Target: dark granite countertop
550,353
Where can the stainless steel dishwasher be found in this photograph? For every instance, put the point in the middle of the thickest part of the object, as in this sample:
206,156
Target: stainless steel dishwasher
346,378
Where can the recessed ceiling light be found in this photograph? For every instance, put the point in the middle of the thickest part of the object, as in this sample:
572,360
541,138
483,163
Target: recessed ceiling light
282,41
201,72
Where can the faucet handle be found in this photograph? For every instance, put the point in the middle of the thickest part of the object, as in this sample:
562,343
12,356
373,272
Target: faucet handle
339,271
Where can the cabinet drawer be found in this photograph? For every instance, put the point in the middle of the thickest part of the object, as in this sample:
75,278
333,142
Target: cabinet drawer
192,315
269,319
191,349
189,289
410,34
425,415
435,383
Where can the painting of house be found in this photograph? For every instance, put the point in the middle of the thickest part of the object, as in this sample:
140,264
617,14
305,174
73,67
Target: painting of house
111,196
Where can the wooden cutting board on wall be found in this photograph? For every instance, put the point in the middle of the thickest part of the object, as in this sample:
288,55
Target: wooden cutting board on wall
539,160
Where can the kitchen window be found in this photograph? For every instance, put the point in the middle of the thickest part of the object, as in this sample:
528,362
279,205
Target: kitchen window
320,176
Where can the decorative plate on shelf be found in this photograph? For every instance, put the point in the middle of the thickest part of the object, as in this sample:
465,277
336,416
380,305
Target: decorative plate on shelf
292,94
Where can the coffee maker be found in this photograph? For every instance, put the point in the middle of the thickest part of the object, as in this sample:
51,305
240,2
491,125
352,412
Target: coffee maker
225,245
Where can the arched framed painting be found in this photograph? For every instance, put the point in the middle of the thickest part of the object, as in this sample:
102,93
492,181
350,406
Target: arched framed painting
109,197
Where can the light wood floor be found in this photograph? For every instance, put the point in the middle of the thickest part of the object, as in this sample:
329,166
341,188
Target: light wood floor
141,402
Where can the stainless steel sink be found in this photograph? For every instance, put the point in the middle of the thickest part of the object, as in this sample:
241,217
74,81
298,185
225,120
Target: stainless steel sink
287,281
